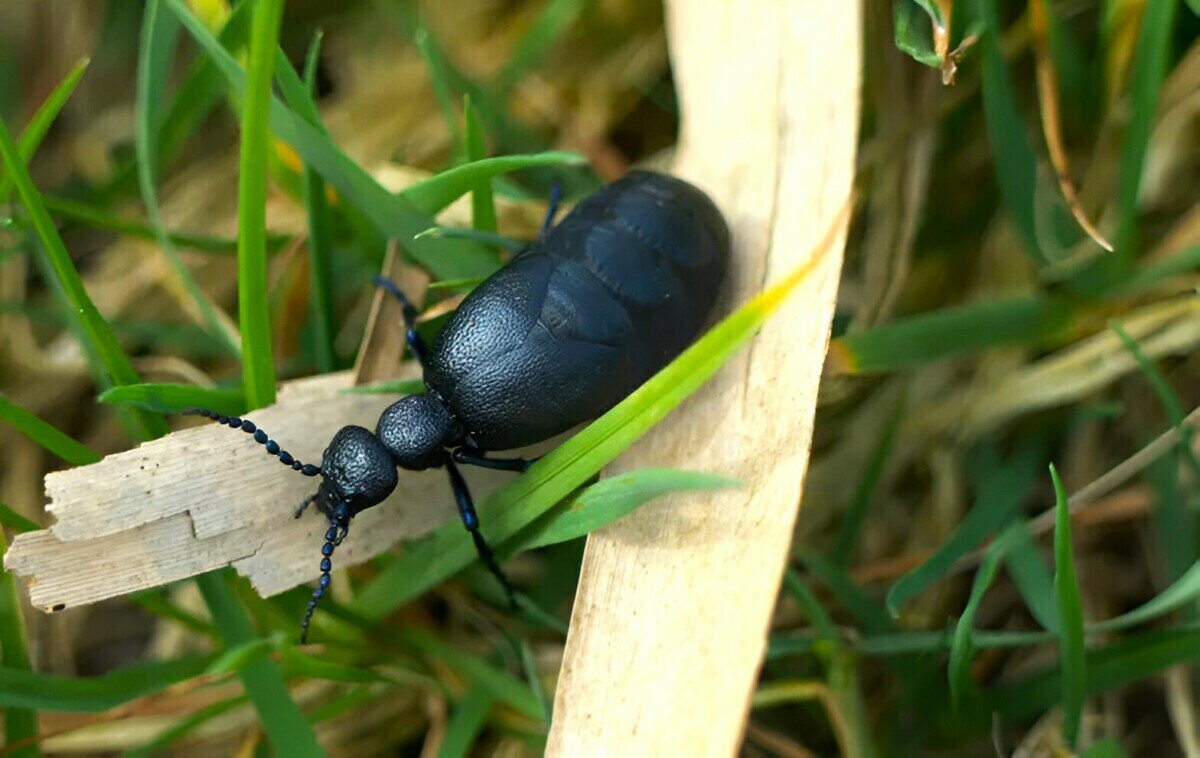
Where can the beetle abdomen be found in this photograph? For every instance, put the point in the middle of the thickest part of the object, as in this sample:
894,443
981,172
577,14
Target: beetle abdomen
585,315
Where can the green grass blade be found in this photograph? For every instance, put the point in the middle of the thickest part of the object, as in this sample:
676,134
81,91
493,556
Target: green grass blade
35,131
1174,520
1145,80
285,725
47,692
1162,390
928,337
502,685
913,32
85,215
15,521
20,724
561,471
490,239
467,721
254,319
812,609
392,215
857,512
160,31
1072,653
609,500
1152,274
75,453
959,669
1183,591
1132,659
1014,159
87,321
1028,571
438,191
550,25
1105,748
435,62
998,495
174,398
320,239
203,86
483,203
873,618
156,601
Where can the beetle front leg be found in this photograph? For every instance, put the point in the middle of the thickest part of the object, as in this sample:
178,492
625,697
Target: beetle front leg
416,342
466,510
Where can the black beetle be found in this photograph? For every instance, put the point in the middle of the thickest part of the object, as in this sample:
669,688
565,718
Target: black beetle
574,323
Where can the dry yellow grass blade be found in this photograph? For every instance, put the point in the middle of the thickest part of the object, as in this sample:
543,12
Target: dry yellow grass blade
670,619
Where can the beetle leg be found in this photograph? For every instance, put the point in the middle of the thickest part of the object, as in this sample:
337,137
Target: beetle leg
466,510
474,457
551,209
305,503
416,342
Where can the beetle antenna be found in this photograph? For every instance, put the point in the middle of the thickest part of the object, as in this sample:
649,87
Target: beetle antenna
339,527
260,437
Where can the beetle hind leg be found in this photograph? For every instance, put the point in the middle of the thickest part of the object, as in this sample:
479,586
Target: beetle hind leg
416,342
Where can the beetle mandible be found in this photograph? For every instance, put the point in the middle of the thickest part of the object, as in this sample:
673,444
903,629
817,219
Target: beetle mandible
575,322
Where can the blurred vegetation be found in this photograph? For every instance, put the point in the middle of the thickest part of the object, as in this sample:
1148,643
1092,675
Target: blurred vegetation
1020,289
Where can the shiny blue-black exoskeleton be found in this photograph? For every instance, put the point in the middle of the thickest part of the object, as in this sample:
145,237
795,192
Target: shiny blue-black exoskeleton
574,323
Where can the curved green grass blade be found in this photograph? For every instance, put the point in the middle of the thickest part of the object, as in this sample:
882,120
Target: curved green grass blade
48,692
913,32
470,714
113,364
85,215
959,670
1014,159
1129,660
857,512
174,398
391,214
254,320
43,118
999,493
15,521
1072,653
476,235
550,25
320,237
288,730
569,466
608,500
1145,81
1162,390
438,191
1027,569
160,31
436,64
75,453
20,724
500,684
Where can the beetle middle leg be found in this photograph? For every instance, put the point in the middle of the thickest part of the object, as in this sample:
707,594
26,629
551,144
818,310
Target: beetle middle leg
416,342
474,457
466,510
